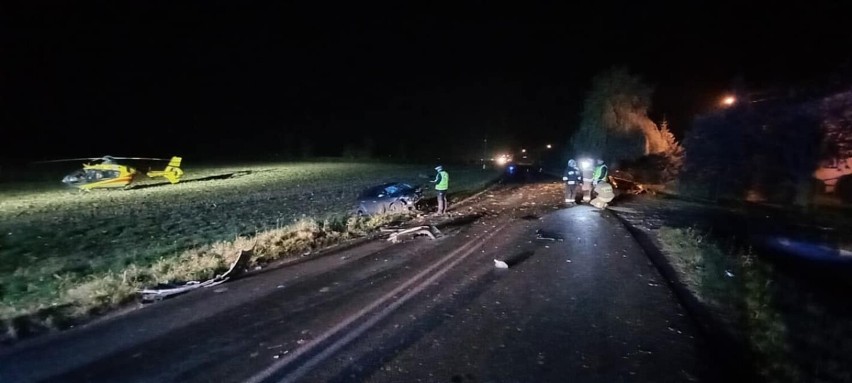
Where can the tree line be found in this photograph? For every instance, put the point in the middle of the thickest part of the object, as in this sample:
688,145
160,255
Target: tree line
759,151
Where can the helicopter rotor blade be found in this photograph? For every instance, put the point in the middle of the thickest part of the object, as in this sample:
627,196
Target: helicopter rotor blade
103,158
69,160
139,158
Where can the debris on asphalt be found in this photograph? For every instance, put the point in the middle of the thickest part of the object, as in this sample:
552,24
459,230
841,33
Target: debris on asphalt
547,236
500,264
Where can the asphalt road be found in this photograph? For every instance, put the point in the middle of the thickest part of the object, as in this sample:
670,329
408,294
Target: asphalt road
581,304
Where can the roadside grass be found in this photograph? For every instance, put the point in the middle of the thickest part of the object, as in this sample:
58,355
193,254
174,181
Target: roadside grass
306,235
792,334
66,254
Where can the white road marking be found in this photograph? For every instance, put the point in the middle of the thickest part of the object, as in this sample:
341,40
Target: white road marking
444,264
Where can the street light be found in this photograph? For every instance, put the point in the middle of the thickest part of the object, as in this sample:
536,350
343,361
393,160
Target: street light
523,150
729,100
549,146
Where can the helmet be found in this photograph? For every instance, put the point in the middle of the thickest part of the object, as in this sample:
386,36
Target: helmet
572,163
439,168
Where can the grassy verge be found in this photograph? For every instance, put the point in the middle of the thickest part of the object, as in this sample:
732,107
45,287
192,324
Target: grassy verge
99,292
793,333
66,254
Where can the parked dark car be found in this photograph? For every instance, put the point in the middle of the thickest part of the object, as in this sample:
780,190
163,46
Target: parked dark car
395,197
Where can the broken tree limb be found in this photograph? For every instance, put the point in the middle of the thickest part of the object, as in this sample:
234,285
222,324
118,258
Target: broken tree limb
237,267
401,234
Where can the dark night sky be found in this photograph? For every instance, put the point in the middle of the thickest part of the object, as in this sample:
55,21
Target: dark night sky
212,78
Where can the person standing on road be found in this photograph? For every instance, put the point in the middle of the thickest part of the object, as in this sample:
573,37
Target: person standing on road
573,179
442,183
601,171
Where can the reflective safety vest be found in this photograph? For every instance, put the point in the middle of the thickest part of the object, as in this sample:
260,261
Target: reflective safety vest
600,173
444,182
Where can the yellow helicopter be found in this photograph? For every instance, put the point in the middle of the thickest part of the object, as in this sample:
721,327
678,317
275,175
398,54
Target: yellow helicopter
106,173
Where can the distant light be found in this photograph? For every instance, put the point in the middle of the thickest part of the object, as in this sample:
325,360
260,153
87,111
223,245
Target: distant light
729,100
585,164
523,150
502,160
549,146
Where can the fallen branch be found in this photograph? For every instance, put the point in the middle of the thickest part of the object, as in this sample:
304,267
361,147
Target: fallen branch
237,267
398,235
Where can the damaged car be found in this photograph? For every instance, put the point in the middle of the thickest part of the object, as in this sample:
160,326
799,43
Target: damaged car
394,197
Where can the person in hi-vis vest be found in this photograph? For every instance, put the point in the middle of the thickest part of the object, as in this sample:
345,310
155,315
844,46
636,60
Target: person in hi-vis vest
442,183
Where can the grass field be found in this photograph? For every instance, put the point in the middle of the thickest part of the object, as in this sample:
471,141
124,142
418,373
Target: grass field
794,331
54,238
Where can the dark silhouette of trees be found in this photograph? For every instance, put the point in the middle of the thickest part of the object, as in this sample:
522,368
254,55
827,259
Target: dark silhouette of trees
614,123
766,154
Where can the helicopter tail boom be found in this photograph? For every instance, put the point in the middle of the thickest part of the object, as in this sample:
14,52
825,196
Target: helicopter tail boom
172,172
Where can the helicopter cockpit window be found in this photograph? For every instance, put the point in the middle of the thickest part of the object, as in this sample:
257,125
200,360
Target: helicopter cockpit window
97,175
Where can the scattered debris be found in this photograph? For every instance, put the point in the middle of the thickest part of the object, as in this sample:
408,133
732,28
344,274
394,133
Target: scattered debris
514,259
399,234
547,236
236,268
500,264
621,209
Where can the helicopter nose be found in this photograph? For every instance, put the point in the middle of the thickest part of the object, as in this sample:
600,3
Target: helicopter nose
71,179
